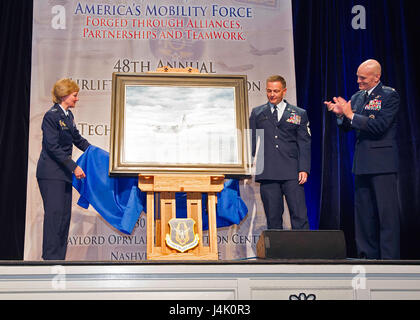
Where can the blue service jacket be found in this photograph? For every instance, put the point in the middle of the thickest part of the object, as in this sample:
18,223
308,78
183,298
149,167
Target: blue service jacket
376,149
59,133
286,143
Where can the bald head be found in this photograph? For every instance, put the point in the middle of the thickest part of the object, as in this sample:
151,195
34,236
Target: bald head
372,66
369,74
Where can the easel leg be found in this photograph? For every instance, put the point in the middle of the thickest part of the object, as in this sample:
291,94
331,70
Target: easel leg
150,222
212,200
194,211
167,212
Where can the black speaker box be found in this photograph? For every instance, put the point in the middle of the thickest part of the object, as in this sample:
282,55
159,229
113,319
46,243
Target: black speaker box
301,244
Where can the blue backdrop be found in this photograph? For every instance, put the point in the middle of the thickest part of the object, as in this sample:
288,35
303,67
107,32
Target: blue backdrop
328,52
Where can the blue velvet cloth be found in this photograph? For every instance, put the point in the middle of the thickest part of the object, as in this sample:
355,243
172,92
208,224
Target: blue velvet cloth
120,202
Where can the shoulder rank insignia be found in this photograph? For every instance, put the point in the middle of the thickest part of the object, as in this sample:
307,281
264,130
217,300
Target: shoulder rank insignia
182,236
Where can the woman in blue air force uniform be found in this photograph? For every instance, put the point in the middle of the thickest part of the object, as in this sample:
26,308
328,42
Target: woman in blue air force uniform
56,167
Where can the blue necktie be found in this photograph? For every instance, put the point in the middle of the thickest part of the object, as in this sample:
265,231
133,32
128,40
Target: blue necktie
366,98
275,114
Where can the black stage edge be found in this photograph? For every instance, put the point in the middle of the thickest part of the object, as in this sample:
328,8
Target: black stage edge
219,262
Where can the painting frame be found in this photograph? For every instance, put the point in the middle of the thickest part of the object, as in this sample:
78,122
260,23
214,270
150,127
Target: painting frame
129,157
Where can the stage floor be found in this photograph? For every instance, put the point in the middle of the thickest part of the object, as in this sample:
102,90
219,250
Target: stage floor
255,279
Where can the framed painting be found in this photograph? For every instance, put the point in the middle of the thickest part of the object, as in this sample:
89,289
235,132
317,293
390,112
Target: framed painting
179,123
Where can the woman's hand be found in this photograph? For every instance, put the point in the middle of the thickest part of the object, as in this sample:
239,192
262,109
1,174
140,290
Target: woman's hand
79,173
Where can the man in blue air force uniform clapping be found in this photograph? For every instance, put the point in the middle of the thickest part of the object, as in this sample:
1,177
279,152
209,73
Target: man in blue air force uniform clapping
372,112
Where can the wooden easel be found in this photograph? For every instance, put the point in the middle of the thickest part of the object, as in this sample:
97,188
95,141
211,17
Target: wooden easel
167,185
158,227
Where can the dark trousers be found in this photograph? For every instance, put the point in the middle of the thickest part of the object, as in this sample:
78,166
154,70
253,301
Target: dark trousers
56,196
272,197
377,223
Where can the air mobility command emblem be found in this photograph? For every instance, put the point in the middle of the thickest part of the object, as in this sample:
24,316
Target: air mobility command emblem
182,236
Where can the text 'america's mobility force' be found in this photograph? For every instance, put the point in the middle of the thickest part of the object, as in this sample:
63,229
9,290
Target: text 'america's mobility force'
163,10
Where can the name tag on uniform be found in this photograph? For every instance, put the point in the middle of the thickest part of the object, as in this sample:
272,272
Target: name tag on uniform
374,105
